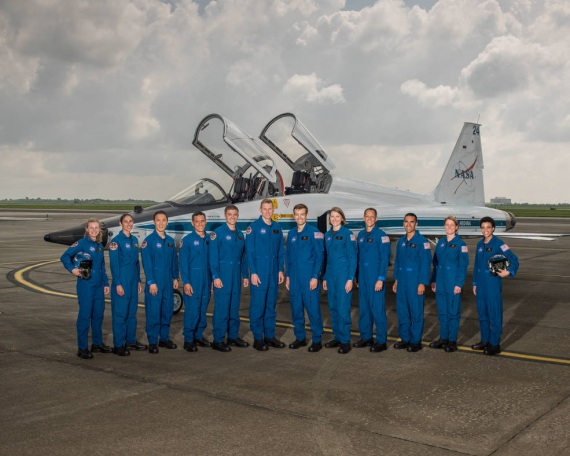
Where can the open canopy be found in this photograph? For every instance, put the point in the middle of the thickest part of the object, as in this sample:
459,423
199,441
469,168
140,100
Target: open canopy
293,142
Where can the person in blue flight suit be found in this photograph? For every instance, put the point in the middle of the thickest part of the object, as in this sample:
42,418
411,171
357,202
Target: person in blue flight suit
126,286
487,287
411,276
90,291
228,266
266,261
160,263
450,262
195,274
373,258
304,263
338,279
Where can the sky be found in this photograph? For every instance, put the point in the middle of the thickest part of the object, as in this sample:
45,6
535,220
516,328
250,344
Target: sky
101,99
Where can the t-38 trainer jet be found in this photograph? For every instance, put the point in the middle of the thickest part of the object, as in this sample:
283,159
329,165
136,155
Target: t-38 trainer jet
250,174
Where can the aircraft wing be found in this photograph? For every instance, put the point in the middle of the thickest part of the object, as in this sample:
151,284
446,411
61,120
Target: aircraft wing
532,236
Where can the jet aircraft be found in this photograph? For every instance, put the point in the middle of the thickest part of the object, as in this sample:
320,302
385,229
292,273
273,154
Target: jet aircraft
249,174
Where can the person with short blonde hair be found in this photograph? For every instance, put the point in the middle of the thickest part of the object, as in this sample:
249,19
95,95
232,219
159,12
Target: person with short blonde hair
450,261
265,251
92,286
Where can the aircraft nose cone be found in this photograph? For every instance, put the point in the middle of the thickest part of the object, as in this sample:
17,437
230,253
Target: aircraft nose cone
66,237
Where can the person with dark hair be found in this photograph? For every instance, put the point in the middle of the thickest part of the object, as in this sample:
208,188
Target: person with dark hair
85,259
126,272
338,279
488,285
160,263
450,262
196,276
411,276
373,258
304,263
266,260
228,266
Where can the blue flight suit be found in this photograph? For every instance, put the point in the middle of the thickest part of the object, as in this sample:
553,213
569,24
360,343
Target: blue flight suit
450,261
265,257
373,259
340,267
160,263
228,263
489,288
90,292
194,270
411,267
304,261
126,271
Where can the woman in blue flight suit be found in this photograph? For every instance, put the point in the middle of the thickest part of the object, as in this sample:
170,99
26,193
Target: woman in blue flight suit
450,262
126,286
339,278
90,291
488,287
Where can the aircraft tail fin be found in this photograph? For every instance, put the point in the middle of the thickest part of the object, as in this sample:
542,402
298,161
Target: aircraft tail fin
462,180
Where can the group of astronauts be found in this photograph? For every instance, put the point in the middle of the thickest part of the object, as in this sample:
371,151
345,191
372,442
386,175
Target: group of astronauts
226,260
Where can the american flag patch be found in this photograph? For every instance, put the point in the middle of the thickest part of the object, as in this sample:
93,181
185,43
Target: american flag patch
505,247
144,244
385,239
352,238
464,249
426,245
319,235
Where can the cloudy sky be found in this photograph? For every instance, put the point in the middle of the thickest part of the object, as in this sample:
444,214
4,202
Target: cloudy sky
100,98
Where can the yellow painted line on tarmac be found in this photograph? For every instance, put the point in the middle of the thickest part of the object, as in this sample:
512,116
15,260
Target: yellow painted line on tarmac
19,277
557,276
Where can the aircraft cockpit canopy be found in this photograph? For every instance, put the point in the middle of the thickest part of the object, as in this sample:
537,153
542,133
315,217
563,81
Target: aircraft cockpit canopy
294,143
253,172
202,193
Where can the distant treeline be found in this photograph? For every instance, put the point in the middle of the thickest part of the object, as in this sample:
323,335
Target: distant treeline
27,200
80,204
535,210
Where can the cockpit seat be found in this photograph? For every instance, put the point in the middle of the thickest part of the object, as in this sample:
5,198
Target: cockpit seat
241,188
301,183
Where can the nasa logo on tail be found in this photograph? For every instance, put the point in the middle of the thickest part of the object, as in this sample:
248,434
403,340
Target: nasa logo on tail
465,173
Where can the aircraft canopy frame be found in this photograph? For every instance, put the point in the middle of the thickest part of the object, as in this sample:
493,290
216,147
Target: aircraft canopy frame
243,151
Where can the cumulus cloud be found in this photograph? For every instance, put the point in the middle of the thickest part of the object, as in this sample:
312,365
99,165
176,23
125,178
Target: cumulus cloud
113,90
312,89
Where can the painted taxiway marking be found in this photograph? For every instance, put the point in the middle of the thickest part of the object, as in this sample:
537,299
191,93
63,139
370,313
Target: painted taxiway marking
19,278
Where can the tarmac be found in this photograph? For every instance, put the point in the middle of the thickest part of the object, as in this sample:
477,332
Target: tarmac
283,401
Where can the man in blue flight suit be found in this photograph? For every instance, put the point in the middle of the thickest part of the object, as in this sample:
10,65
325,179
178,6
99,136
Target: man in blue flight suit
265,258
160,263
487,287
412,275
373,258
195,274
304,263
228,265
